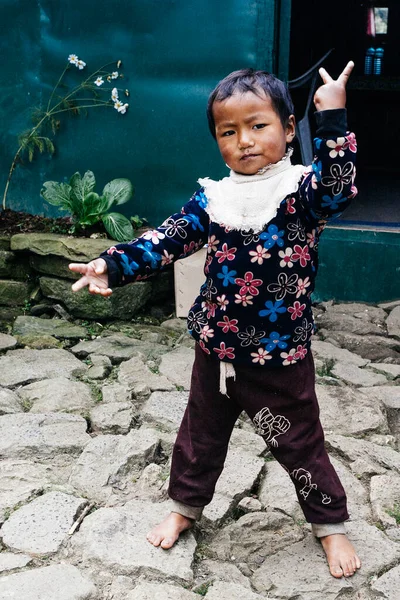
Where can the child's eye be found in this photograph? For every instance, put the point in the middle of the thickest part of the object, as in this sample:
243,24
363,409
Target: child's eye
259,126
226,133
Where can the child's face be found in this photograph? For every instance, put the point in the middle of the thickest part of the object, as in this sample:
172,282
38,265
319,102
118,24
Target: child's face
249,132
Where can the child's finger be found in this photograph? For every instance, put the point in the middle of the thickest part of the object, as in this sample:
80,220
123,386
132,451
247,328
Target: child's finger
343,77
326,78
78,268
81,283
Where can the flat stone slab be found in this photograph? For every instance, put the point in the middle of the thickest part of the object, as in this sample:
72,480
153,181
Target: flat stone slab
114,417
388,584
114,539
348,322
372,347
41,526
177,366
160,591
22,435
10,561
329,351
393,322
388,394
135,374
231,591
9,402
388,369
58,328
26,366
165,409
385,499
117,347
246,440
56,395
7,342
20,481
64,582
355,376
74,249
277,491
361,452
109,460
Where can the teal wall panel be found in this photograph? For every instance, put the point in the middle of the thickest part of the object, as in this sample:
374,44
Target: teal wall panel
173,53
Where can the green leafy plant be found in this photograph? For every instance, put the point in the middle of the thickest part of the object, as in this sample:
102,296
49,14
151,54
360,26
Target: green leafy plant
75,99
138,222
88,208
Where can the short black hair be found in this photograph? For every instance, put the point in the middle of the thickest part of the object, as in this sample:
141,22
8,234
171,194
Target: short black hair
249,80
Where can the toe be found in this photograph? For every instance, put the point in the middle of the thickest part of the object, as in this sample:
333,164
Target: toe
153,539
167,542
336,571
358,562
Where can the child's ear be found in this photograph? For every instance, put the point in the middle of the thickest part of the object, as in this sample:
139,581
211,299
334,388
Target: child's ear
290,129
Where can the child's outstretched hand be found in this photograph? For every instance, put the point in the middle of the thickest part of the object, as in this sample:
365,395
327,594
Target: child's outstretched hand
94,275
333,93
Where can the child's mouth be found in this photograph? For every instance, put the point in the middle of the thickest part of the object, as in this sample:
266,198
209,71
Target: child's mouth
249,156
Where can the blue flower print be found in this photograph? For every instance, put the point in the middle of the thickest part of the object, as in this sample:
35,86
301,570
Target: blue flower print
275,340
317,143
272,309
317,168
148,256
202,199
195,221
227,276
334,202
272,237
128,267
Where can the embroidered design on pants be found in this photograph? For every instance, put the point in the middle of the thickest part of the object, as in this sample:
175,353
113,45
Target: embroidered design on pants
269,426
303,476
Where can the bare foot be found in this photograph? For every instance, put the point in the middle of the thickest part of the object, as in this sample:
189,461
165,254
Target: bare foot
167,532
341,556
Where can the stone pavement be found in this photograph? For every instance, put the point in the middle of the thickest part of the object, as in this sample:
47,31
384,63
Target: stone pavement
88,417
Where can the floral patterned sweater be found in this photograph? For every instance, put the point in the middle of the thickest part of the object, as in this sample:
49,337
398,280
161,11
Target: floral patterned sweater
254,307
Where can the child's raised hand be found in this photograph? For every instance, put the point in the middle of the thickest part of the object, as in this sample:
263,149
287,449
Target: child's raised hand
332,94
94,275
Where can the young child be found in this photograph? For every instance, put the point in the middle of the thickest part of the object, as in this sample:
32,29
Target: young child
252,320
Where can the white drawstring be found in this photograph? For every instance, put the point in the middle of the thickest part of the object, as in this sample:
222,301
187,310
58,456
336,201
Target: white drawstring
225,370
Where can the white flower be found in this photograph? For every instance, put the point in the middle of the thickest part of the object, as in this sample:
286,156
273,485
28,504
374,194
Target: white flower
118,104
73,59
122,109
153,235
99,81
114,75
81,65
114,95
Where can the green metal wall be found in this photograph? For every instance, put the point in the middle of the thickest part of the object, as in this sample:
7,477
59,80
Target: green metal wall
173,53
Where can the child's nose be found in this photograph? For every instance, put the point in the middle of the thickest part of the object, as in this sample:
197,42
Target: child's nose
245,140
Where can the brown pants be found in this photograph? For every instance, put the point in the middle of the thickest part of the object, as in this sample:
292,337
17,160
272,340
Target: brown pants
283,407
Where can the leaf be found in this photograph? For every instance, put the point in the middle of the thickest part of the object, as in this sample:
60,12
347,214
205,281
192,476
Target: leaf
82,186
92,207
119,191
118,227
58,194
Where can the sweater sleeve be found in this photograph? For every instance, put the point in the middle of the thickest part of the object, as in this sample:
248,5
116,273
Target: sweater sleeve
180,235
328,185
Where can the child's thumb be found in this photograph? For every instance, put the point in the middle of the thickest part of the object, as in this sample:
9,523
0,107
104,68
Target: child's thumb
100,267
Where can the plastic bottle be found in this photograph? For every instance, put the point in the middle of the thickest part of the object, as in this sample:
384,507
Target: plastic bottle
378,61
369,61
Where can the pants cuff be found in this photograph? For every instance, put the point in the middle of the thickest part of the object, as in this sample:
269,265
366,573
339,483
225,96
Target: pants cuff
191,512
327,529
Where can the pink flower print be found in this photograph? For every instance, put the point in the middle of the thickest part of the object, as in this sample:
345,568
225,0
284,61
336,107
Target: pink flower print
337,147
289,358
189,247
286,257
354,192
222,301
166,258
206,333
228,325
248,284
290,209
207,264
301,254
296,310
243,300
222,351
311,238
212,244
260,356
210,307
259,254
226,253
154,236
350,142
300,353
114,249
302,286
203,347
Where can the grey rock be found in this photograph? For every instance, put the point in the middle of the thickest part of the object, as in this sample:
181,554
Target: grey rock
136,375
20,481
39,342
52,265
114,417
55,327
9,402
152,484
231,591
357,495
355,376
14,293
254,537
389,305
165,409
64,582
328,351
117,347
389,396
277,492
7,342
177,325
374,455
372,347
41,526
250,504
177,366
57,395
366,312
25,366
22,435
347,322
385,498
393,322
246,440
388,584
11,562
74,249
108,461
392,370
115,392
210,570
114,539
160,591
100,367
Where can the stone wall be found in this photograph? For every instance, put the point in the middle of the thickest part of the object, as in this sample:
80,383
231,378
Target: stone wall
34,277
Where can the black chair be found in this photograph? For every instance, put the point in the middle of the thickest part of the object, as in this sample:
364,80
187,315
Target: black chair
303,129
